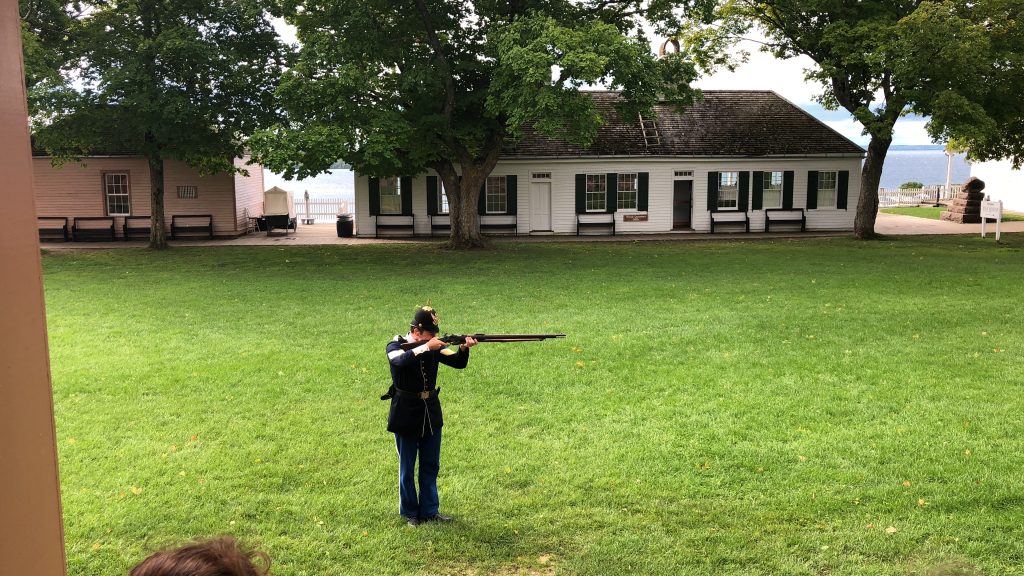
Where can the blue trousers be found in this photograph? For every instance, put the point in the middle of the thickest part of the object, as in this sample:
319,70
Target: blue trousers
429,450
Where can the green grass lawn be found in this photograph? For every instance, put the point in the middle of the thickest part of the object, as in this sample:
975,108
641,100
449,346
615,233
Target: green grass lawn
933,213
803,407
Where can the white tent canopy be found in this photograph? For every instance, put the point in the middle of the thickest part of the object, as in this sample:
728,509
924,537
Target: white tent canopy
278,202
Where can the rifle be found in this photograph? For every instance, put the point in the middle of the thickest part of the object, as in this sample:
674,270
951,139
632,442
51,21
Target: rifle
453,339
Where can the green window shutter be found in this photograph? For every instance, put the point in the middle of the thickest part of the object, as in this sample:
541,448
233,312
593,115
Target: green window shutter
712,191
581,193
611,199
432,195
374,196
510,190
642,183
812,189
744,195
843,189
481,205
757,194
787,189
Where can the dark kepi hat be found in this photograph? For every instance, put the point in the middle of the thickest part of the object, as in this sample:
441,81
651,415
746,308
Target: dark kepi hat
425,319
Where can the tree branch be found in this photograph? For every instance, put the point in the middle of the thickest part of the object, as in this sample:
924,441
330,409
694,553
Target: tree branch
442,62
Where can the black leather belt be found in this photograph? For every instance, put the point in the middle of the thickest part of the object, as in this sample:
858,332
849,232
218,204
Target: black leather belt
422,394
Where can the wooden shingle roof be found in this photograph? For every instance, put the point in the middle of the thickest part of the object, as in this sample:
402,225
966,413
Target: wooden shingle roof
730,123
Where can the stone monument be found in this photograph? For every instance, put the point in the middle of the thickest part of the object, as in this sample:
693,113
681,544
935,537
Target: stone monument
966,207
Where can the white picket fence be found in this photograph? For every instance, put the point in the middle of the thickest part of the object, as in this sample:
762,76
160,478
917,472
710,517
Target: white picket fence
322,209
889,197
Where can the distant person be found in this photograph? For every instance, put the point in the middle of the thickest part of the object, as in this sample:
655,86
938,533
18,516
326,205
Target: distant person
415,415
221,556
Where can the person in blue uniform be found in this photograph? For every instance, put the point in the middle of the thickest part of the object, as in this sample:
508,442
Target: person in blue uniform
415,414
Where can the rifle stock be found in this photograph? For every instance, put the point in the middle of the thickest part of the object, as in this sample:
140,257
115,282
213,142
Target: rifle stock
453,339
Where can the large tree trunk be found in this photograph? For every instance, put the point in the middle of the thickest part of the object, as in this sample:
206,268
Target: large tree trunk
464,193
870,177
465,216
157,233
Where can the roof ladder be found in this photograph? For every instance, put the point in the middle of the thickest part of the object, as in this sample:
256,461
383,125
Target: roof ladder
650,130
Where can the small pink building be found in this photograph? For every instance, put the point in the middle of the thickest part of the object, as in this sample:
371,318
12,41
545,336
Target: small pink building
118,187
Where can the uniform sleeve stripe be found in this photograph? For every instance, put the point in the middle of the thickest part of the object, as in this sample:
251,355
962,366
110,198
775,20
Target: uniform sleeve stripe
395,354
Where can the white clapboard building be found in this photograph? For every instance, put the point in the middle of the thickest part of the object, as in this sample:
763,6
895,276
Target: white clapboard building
737,160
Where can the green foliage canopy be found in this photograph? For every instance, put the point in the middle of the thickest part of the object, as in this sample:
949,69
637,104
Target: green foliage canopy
396,88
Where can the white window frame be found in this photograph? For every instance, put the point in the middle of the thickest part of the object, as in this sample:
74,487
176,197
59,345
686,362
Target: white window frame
496,201
728,191
119,191
540,176
829,192
770,186
442,198
390,195
597,193
628,191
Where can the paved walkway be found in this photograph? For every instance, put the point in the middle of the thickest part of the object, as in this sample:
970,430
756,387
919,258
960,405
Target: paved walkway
322,234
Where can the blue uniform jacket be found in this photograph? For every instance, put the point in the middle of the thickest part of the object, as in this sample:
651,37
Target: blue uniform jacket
413,373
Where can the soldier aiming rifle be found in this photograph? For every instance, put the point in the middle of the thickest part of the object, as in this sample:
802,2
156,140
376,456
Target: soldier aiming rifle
415,414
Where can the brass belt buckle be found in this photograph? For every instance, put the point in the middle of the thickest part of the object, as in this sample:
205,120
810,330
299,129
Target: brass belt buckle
424,395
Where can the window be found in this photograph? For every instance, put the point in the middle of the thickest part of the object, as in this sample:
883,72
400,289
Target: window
115,188
390,195
541,175
827,185
496,199
188,191
772,197
728,190
684,173
627,191
597,192
442,198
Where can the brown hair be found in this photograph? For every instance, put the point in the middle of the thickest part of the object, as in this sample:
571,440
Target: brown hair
221,556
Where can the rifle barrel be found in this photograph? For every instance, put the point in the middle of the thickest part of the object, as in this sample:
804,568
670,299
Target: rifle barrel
458,338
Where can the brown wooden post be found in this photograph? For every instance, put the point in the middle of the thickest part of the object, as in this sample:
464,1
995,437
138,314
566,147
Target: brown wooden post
31,534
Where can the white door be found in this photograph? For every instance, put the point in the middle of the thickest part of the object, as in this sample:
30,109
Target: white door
540,206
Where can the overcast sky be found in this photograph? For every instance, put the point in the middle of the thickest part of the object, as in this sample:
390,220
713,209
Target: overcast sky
785,77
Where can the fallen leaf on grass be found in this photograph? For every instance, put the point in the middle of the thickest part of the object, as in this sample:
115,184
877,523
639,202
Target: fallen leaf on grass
871,526
922,502
906,483
136,490
891,530
802,458
96,545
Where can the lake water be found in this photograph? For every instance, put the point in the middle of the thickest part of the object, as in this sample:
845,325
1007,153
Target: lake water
927,166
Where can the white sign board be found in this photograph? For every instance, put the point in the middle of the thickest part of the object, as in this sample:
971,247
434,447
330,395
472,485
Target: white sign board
992,210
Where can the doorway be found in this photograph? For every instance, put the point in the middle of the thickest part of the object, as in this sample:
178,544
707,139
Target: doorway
540,206
682,204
